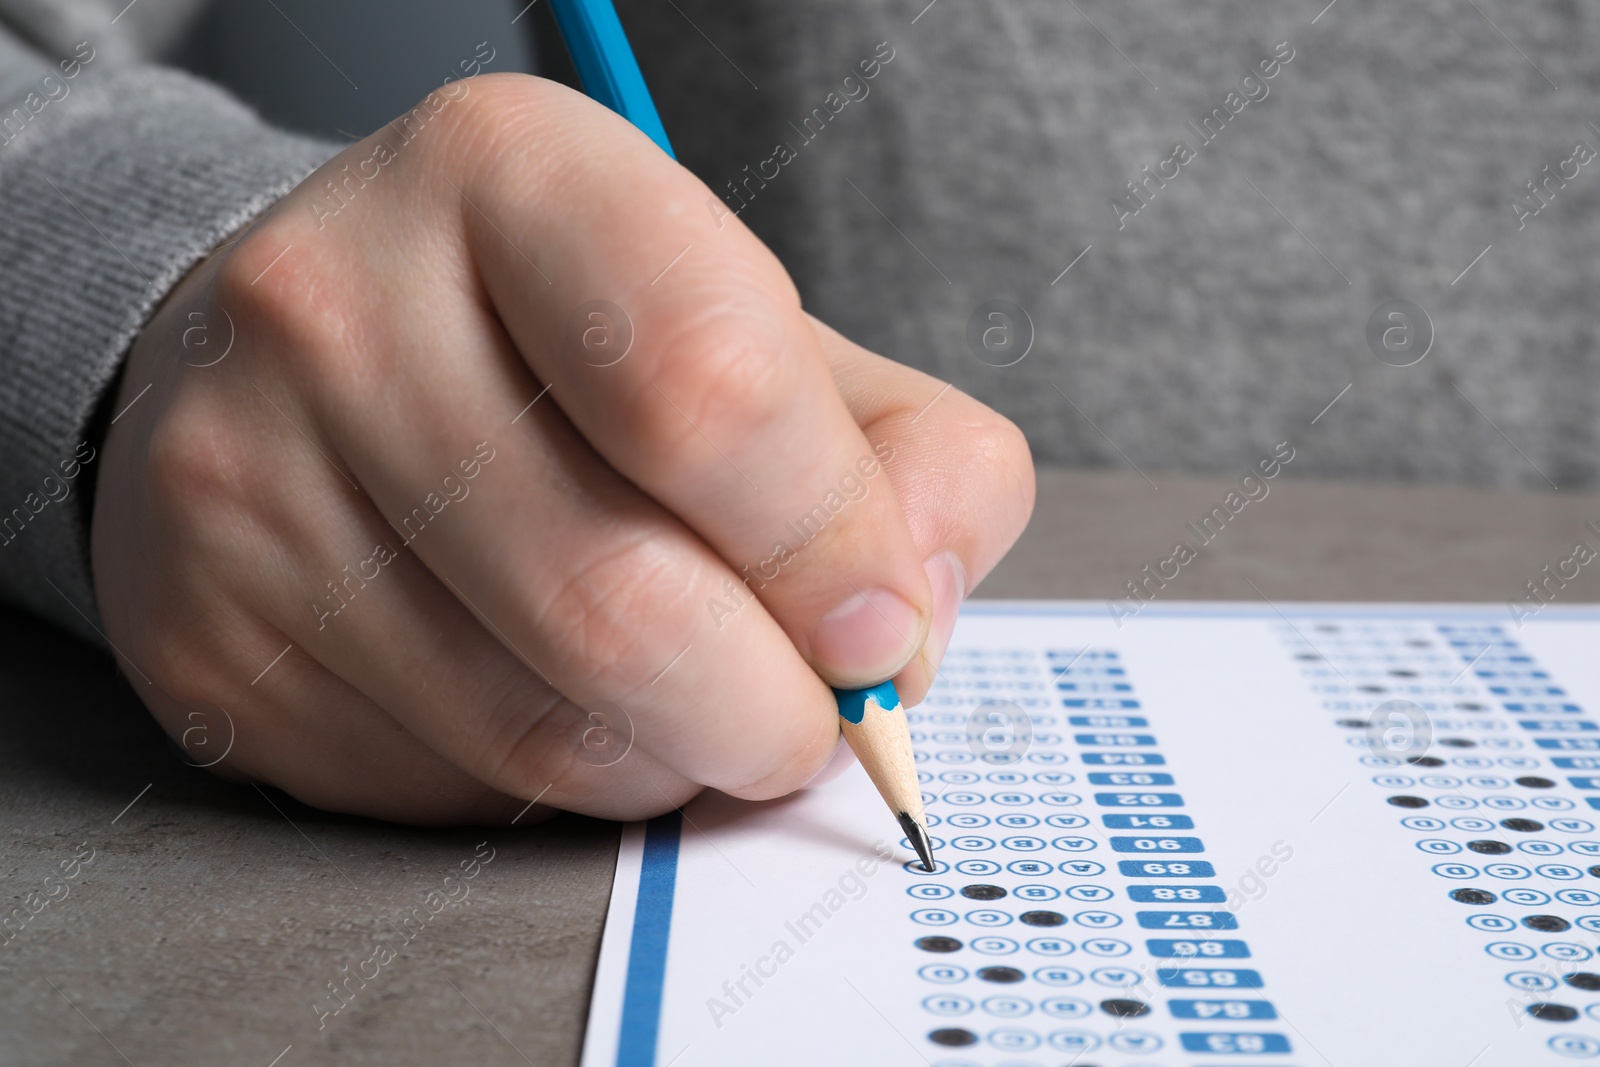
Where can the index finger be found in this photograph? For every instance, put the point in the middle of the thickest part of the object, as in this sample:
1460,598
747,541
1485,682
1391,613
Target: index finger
712,394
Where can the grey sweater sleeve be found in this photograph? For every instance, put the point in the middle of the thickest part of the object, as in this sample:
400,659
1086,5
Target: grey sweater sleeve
113,183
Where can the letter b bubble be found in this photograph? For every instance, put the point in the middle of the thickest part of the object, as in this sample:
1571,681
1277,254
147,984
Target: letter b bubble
1399,333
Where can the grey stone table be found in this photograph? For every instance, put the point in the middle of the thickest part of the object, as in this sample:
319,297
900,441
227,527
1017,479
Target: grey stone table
170,918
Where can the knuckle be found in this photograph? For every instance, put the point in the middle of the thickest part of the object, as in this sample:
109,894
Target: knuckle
594,616
494,101
498,128
1010,448
191,467
529,742
171,663
1002,445
547,755
273,283
184,662
727,381
998,452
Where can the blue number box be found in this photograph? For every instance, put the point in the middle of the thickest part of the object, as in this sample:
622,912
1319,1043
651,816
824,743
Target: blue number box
1176,894
1128,778
1195,949
1124,759
1165,869
1187,920
1225,1009
1161,845
1139,800
1235,1044
1209,978
1147,822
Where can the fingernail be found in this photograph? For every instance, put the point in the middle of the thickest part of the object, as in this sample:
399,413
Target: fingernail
867,638
948,580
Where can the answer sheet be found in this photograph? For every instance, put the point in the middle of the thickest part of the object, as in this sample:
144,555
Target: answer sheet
1213,834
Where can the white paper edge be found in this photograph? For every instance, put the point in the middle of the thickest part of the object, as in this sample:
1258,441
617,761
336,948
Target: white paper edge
611,972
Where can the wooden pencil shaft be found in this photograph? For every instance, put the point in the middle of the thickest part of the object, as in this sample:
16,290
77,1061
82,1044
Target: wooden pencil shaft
882,742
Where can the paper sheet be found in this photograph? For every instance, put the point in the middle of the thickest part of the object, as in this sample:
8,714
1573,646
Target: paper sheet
1322,835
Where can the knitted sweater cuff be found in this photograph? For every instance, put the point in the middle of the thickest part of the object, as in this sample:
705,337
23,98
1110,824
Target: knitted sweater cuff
112,186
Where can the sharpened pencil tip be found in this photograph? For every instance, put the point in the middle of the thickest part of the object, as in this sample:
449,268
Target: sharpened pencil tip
917,834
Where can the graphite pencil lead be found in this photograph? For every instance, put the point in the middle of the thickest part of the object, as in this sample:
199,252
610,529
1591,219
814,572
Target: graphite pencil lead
917,834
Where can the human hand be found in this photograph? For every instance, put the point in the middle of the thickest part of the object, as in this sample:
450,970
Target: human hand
440,542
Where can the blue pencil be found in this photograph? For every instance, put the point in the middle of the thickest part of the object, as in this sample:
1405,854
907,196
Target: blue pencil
872,720
606,64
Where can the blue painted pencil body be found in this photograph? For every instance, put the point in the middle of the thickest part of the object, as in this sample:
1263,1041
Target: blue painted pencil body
606,64
853,702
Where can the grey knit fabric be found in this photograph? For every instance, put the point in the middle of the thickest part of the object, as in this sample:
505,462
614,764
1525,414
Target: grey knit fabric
1226,314
108,195
122,31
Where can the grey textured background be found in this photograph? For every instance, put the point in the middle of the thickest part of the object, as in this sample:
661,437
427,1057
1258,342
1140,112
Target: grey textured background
1208,328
